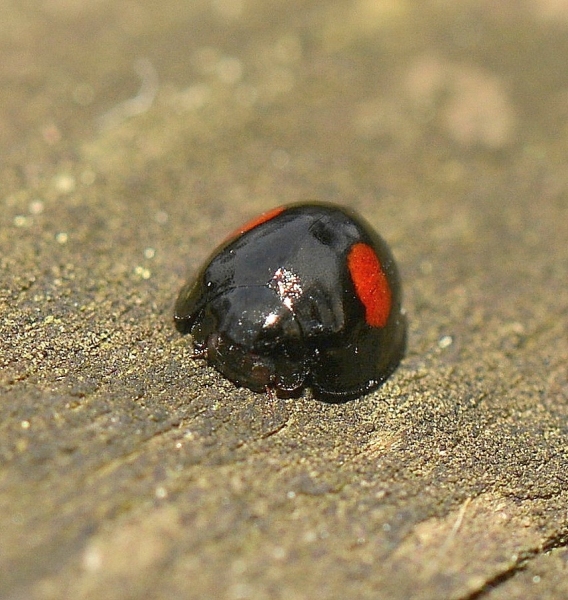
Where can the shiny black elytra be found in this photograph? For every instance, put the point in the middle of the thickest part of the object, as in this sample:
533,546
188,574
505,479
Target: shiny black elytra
305,295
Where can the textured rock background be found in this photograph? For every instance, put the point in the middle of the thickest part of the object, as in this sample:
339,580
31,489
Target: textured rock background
135,135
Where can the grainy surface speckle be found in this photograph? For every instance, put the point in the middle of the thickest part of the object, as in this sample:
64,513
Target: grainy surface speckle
133,137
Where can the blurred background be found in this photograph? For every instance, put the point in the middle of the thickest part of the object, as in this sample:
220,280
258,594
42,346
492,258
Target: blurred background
133,136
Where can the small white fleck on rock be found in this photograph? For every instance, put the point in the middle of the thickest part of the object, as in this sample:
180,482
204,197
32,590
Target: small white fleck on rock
36,207
21,221
92,559
64,183
142,272
161,492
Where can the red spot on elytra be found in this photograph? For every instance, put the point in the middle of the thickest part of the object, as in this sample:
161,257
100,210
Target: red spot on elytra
266,216
371,285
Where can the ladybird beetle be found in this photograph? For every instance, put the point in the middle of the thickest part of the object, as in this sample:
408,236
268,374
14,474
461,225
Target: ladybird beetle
306,295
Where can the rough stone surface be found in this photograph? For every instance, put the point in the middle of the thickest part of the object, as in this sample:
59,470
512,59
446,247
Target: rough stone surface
133,135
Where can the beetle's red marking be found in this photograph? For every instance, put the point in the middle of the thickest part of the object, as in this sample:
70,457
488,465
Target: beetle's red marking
266,216
371,285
